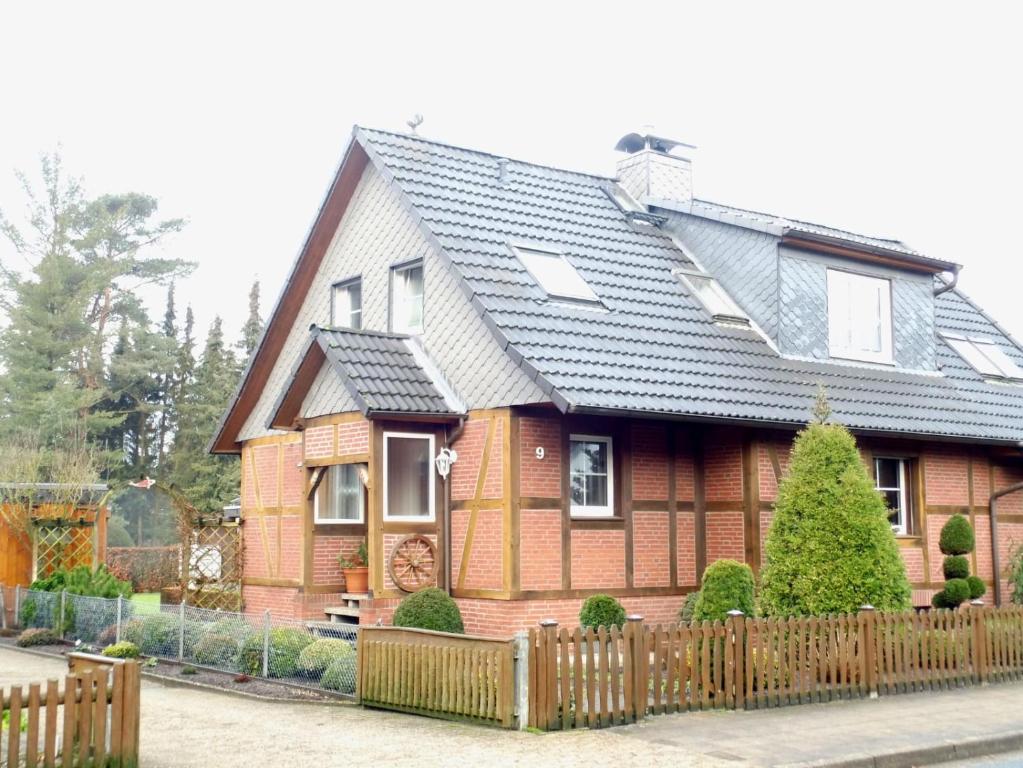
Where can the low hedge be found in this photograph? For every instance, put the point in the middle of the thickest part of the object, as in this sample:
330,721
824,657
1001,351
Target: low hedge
217,651
319,654
340,675
430,608
36,636
122,650
285,647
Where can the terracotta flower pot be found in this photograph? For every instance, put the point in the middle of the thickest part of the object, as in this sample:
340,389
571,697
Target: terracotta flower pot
356,579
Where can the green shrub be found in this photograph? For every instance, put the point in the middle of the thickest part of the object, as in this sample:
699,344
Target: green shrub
217,651
956,567
237,628
957,591
977,586
956,536
318,655
285,647
84,581
429,608
157,634
122,650
685,613
36,636
1015,571
830,548
940,600
727,585
602,611
340,675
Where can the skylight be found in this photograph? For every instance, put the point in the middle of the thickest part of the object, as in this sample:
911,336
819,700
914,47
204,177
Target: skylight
555,275
709,292
985,357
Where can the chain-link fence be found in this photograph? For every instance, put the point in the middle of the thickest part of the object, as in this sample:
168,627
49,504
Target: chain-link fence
311,654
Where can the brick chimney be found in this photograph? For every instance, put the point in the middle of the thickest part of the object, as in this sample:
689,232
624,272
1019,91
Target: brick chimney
656,172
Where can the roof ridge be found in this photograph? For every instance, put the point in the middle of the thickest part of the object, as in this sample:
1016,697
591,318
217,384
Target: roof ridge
358,331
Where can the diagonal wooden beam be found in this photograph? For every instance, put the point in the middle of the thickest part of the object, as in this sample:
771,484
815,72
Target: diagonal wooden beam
474,510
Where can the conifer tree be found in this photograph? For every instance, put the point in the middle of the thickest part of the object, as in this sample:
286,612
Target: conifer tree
253,327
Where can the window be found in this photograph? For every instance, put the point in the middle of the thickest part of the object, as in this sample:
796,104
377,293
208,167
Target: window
709,292
859,317
346,304
407,298
891,479
340,497
591,477
557,278
985,357
408,476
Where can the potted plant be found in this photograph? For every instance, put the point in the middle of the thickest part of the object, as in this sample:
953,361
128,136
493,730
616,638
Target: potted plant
355,568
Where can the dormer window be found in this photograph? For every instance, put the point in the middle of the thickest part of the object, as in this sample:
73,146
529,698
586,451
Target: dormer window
859,317
712,296
552,272
346,304
985,357
407,298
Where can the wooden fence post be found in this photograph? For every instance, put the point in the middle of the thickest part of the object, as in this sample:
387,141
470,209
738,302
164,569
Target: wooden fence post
737,625
981,671
549,713
867,625
640,668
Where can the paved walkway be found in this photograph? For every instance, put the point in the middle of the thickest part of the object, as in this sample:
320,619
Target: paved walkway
185,727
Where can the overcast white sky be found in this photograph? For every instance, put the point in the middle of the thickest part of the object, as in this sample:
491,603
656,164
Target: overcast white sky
897,119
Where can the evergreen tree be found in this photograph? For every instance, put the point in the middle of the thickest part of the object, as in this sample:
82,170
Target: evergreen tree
253,327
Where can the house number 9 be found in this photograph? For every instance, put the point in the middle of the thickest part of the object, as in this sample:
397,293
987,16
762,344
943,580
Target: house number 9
539,452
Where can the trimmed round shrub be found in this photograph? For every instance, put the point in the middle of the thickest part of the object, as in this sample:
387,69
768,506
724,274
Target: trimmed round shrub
956,536
685,614
977,586
602,611
956,567
956,591
940,600
340,675
36,636
318,655
122,650
217,651
157,634
727,585
285,647
830,548
430,608
230,627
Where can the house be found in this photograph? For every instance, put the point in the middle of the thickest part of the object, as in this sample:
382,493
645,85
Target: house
617,368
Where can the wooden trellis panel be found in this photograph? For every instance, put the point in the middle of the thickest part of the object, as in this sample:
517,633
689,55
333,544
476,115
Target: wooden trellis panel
213,567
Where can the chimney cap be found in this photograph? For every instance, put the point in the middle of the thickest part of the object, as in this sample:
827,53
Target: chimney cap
634,142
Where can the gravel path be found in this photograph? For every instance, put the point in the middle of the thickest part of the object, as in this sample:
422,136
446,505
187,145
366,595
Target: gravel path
184,727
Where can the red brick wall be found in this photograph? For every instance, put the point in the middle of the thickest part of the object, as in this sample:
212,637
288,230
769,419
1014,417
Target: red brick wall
765,468
685,547
725,536
493,485
685,487
353,438
540,549
649,461
319,441
484,570
540,477
946,476
598,559
469,446
651,554
913,557
1010,503
723,470
266,459
982,552
326,549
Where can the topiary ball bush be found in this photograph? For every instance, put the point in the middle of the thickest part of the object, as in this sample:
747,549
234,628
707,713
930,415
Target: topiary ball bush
685,614
318,655
429,608
956,591
602,611
727,585
217,651
940,600
36,636
977,586
122,650
956,536
956,567
285,647
340,675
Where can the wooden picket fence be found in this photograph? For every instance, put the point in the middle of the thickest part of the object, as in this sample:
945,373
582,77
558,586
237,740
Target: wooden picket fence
437,674
594,679
93,720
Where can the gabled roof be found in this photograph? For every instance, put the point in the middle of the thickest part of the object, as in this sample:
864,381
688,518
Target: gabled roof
385,373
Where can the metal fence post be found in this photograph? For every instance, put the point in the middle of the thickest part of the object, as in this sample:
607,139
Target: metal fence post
266,643
181,630
63,610
117,630
522,679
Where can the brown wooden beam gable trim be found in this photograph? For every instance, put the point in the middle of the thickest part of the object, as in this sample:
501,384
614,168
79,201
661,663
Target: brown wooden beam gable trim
954,509
346,458
463,504
891,260
292,297
288,411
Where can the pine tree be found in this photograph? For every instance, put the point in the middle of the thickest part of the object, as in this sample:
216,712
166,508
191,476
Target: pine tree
253,327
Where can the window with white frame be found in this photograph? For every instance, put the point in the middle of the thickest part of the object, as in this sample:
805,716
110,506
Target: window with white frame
553,273
408,476
340,497
346,304
891,478
985,357
591,476
407,298
709,292
859,317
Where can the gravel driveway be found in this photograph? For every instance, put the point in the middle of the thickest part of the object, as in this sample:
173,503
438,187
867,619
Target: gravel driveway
186,727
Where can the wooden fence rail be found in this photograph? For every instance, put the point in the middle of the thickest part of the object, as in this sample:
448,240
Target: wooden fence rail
438,674
92,720
583,678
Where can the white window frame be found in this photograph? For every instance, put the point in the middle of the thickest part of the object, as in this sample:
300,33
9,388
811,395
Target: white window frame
335,520
432,493
335,289
885,319
985,356
607,510
733,312
902,527
398,320
581,293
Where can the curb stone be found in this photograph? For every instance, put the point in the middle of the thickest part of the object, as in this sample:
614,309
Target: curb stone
977,746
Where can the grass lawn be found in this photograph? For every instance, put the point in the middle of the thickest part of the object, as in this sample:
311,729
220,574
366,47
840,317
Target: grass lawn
146,602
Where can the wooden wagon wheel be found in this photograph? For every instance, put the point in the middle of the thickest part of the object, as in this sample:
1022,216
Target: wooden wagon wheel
413,563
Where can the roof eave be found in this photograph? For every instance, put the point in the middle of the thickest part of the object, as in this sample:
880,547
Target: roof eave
799,238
